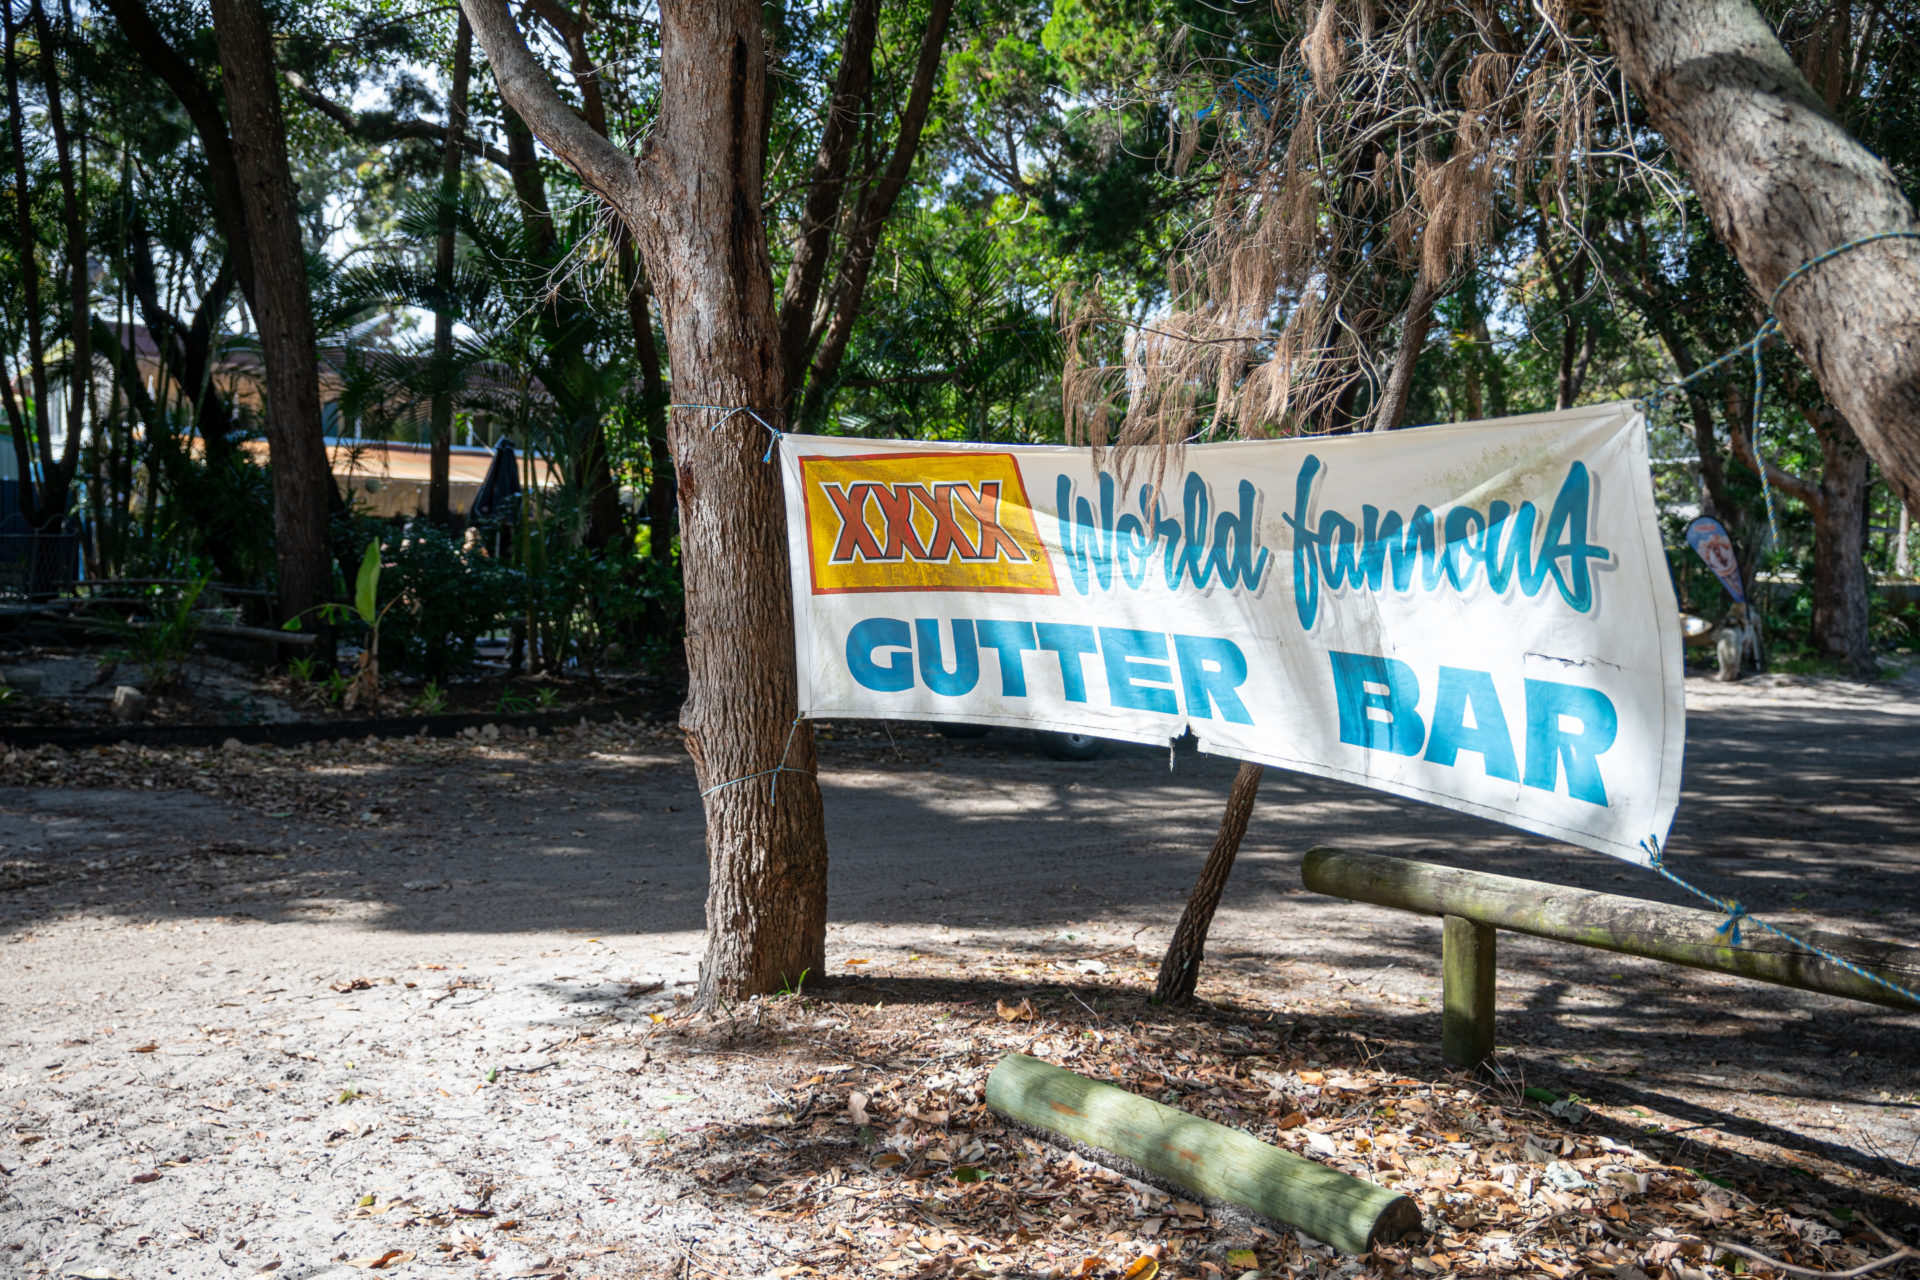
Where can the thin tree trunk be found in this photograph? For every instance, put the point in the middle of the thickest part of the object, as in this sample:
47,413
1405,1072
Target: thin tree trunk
1902,559
654,398
282,308
604,522
440,457
60,471
825,186
693,203
26,250
1783,182
829,345
17,428
1413,339
1180,967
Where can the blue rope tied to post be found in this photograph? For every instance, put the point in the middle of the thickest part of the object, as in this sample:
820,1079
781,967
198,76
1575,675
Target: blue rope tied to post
1736,912
773,788
1752,347
729,410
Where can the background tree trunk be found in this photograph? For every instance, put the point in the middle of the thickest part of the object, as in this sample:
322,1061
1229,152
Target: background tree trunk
1841,623
1783,182
282,308
440,460
1180,967
692,201
1415,323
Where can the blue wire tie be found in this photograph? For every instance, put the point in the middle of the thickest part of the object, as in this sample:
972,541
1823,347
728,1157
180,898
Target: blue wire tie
729,410
1730,928
1736,913
773,788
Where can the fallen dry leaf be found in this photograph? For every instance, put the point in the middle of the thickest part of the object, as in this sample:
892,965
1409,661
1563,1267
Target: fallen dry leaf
382,1262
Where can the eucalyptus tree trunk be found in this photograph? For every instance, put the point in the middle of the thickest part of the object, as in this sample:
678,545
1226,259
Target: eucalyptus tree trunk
692,200
1783,183
282,307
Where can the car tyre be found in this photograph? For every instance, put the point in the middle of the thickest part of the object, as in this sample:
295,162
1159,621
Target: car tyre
1070,746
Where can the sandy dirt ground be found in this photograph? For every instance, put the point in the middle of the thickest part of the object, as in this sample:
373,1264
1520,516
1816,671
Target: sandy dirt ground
421,1007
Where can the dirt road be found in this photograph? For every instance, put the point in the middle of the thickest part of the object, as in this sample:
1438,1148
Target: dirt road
294,984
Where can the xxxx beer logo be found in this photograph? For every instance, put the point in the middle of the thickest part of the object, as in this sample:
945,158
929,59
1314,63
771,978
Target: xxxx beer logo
922,522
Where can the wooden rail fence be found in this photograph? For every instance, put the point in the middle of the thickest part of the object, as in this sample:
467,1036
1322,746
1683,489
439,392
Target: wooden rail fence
1474,904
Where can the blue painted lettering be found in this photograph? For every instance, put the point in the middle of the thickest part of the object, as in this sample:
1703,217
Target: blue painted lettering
1499,540
873,634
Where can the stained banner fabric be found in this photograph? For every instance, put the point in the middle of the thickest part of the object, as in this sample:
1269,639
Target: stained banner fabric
1478,615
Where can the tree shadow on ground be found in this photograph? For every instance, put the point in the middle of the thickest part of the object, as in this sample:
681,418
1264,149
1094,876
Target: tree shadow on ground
1264,1037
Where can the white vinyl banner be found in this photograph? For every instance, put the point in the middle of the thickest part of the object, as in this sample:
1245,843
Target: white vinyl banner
1479,616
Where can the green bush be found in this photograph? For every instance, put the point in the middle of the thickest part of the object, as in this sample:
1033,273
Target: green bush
450,594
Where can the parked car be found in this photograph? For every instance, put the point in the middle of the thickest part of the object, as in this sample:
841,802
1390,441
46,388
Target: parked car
1060,746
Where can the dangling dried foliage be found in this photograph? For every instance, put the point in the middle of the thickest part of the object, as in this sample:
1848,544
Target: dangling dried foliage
1361,176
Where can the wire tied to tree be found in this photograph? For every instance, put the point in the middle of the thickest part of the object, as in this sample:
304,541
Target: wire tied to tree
773,788
1752,348
1736,912
729,410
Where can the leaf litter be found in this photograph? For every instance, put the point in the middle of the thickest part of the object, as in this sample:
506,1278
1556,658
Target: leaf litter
868,1150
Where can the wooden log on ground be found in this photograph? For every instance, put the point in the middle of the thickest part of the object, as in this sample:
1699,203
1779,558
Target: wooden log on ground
1610,922
1180,966
1217,1164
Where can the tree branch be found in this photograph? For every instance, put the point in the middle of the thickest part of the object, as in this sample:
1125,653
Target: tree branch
1794,486
376,127
203,109
609,171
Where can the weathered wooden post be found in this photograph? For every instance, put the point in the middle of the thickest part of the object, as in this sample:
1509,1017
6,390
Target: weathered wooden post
1466,991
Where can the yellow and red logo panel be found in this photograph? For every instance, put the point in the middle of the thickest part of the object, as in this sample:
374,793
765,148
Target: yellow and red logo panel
922,522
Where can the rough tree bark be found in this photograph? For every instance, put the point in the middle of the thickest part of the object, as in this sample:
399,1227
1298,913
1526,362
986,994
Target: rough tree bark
1783,182
440,458
1180,967
692,202
282,307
